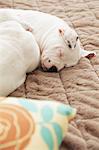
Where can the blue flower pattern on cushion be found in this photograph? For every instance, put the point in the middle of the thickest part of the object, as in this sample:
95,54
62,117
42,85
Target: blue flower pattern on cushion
29,105
47,114
58,131
48,138
64,110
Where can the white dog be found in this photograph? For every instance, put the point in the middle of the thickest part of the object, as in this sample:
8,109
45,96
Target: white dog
19,54
56,53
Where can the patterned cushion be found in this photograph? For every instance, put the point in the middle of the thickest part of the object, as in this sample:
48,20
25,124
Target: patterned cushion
27,124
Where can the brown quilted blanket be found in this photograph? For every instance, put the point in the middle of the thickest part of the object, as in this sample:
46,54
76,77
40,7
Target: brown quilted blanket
77,86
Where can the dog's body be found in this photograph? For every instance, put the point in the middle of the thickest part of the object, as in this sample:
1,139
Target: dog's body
46,31
54,51
19,54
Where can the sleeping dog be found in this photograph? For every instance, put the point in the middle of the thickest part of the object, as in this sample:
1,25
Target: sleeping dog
19,54
58,43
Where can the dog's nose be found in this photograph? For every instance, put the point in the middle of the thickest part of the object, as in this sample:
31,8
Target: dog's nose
53,69
69,46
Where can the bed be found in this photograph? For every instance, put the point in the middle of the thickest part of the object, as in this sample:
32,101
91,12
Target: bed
78,85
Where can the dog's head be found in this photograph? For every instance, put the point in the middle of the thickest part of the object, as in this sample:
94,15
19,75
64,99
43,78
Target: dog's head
52,60
70,37
66,54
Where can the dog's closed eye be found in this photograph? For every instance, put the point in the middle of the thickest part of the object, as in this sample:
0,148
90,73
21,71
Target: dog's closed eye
49,60
76,38
68,42
69,45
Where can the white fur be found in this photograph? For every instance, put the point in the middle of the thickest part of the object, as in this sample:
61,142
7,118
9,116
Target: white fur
19,54
46,30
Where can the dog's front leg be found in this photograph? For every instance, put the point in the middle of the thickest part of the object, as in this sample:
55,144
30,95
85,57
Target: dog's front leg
26,26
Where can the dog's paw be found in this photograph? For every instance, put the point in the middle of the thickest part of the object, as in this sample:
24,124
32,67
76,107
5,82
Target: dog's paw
30,29
27,27
91,55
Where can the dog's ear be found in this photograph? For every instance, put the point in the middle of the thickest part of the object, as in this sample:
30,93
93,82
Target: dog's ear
87,54
61,31
60,53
